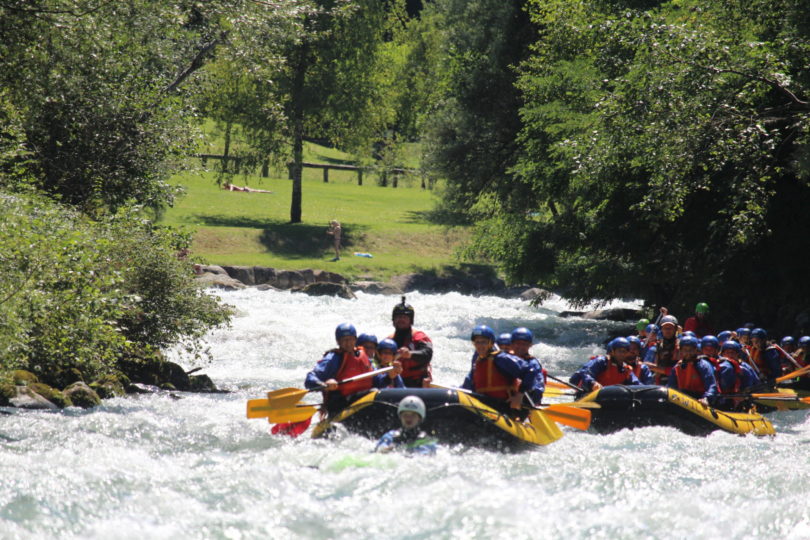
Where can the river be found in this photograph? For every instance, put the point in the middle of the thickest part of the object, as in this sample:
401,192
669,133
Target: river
192,465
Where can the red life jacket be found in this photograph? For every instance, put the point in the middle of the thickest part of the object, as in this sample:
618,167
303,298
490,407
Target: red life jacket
635,367
490,381
614,374
689,378
736,365
354,363
411,370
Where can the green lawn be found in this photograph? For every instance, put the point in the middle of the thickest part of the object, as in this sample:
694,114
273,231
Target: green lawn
240,228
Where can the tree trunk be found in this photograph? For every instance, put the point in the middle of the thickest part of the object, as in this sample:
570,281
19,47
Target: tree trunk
298,134
227,150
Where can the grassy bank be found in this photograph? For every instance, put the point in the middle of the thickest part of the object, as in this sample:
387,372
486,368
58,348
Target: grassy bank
241,228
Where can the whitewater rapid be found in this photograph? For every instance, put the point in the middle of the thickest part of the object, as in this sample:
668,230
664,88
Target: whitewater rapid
192,466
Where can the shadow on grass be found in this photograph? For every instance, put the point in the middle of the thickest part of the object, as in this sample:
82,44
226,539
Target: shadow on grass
437,216
297,240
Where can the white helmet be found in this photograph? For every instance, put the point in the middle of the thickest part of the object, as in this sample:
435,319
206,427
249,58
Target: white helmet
413,404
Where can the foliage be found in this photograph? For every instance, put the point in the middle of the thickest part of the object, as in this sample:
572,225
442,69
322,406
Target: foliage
81,294
664,153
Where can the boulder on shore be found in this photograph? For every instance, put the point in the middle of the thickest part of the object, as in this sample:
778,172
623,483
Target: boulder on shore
613,314
328,289
26,398
82,395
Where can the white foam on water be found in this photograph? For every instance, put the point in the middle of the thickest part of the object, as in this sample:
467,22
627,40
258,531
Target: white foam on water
195,467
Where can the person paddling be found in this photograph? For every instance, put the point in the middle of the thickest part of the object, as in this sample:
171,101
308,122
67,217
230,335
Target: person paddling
699,322
640,369
343,362
415,348
766,358
409,437
496,374
607,370
666,352
734,376
692,375
522,339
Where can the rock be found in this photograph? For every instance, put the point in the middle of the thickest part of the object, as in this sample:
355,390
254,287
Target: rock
51,394
211,269
308,275
22,377
65,377
202,383
613,314
375,287
267,287
7,391
263,275
140,388
327,289
222,282
242,273
289,279
535,295
26,398
328,277
175,375
82,395
572,314
110,386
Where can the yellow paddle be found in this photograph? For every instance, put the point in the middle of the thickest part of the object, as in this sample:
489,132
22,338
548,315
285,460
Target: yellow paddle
793,375
264,408
287,397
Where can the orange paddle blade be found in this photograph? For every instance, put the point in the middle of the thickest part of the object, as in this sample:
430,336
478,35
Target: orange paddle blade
569,416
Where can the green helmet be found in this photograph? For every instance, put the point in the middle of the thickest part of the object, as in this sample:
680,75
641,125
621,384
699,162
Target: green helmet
702,307
642,324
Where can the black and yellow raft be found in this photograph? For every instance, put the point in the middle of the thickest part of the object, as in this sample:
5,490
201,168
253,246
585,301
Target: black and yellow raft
452,417
640,406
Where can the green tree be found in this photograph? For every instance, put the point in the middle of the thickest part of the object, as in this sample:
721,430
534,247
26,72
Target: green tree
665,152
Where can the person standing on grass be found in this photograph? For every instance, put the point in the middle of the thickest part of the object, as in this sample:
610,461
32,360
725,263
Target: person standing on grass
335,231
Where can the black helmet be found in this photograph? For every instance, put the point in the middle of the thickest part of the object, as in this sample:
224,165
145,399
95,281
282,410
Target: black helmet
403,309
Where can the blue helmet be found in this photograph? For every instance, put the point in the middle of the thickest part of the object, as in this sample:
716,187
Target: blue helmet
743,331
483,330
723,336
522,334
804,341
618,343
651,329
633,340
366,338
709,341
689,333
689,341
731,345
345,329
387,344
759,333
504,339
787,340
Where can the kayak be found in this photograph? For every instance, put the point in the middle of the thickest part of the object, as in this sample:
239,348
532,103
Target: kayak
453,417
640,406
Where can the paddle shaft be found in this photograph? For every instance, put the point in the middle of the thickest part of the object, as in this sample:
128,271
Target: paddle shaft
793,375
566,383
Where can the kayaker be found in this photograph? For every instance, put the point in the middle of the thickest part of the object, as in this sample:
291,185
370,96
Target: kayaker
369,344
409,438
496,374
504,342
386,352
641,329
640,369
666,352
347,361
692,375
766,358
607,370
699,322
733,376
415,348
522,340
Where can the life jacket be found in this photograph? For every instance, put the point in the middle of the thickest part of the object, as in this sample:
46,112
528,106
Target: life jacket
490,381
354,363
799,356
758,358
667,357
411,370
737,369
636,369
689,377
614,374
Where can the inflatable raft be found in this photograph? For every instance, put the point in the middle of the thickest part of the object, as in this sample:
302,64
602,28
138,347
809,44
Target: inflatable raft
452,417
641,406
